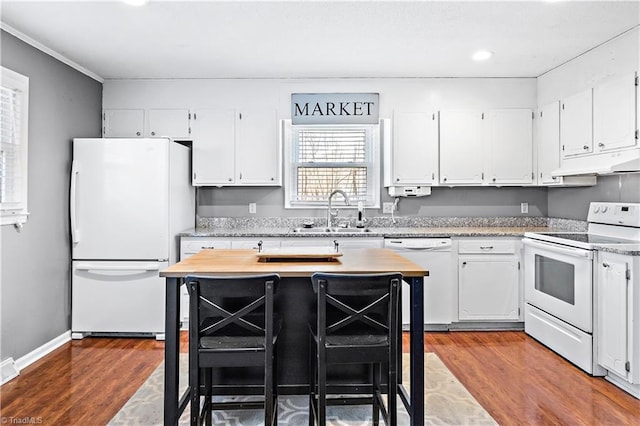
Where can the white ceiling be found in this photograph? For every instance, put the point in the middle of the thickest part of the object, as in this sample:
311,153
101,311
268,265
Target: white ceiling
300,39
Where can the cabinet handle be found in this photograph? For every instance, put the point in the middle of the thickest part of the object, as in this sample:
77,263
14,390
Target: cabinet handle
444,179
605,265
230,179
601,145
464,263
153,133
137,133
272,178
433,176
494,179
240,175
486,247
585,147
397,179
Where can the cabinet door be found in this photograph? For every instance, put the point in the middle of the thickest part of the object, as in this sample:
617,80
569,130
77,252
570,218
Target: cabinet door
613,313
123,123
576,118
171,123
213,134
415,148
510,146
461,147
488,288
548,138
614,113
258,152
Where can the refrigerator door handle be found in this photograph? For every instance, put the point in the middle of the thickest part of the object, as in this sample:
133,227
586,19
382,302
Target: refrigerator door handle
137,269
72,202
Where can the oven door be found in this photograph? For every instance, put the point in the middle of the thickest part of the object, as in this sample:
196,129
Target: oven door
559,280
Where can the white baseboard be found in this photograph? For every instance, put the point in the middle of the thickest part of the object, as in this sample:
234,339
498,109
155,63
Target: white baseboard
13,368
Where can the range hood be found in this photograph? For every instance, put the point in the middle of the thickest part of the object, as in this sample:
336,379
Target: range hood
601,164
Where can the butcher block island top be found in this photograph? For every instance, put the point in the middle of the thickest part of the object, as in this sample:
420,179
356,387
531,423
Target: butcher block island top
237,261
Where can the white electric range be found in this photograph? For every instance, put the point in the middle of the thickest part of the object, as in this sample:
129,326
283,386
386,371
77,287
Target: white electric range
560,275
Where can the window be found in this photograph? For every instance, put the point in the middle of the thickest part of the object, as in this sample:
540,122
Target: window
323,158
14,112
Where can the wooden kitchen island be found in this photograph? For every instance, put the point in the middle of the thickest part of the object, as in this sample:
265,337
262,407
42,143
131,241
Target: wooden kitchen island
295,302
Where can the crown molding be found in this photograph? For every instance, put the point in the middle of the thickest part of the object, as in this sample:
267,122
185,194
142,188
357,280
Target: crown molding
25,38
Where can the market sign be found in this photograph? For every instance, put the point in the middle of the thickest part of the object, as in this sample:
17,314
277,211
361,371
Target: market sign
334,108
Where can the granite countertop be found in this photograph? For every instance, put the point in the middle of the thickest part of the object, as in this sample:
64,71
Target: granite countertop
401,227
627,249
371,232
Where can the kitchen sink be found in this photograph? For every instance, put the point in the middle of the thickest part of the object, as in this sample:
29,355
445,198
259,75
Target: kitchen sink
326,230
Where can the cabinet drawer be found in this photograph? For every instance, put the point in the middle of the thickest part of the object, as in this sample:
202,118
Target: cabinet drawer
192,245
487,246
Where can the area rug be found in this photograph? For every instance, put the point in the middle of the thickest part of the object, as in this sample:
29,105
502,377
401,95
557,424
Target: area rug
447,402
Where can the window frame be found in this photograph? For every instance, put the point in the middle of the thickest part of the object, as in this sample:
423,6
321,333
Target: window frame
16,213
374,166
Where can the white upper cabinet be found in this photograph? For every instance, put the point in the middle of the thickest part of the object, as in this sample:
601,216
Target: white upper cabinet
548,138
413,154
510,144
235,147
494,147
461,147
130,123
123,123
576,118
258,152
213,132
171,123
614,113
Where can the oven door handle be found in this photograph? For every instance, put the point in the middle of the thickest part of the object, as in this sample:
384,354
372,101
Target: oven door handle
570,251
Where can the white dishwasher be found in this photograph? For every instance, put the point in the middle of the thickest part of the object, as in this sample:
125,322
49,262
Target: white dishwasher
433,254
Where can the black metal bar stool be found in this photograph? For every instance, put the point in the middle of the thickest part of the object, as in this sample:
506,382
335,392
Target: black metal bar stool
232,324
357,323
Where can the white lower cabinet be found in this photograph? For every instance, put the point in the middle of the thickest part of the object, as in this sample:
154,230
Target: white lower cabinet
489,280
618,314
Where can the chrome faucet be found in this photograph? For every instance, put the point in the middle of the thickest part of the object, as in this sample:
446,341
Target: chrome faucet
331,213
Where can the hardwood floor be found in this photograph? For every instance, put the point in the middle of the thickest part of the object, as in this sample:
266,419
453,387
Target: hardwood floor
515,378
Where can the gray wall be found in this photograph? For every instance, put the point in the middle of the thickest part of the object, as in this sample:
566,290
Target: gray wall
475,202
573,203
35,276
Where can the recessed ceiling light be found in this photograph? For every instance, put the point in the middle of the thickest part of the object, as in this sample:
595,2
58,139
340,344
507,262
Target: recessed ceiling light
482,55
135,2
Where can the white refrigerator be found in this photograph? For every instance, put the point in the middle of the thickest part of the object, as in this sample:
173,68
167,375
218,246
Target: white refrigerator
129,198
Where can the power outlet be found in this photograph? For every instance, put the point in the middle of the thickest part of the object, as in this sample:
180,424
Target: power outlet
524,208
252,208
387,208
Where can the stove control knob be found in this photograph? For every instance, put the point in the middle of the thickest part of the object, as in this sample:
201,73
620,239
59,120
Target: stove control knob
596,210
604,209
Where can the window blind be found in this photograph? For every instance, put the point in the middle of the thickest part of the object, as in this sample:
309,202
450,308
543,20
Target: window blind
14,117
329,158
11,173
